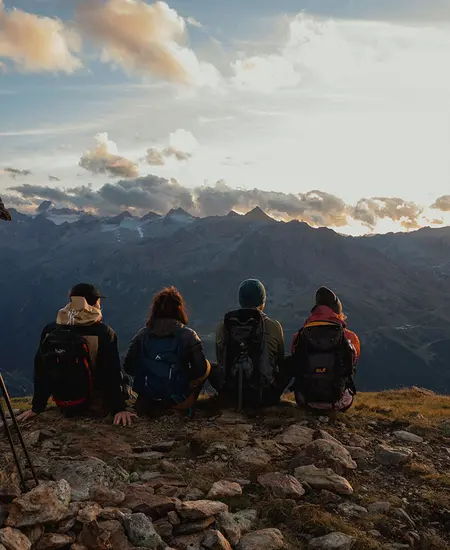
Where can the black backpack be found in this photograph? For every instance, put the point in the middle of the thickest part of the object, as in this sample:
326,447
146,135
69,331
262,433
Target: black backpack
322,363
67,367
246,359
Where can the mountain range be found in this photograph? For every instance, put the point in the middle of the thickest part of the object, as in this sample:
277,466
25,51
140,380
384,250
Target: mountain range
394,287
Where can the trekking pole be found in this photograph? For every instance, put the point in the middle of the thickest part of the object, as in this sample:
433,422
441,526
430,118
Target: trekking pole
7,399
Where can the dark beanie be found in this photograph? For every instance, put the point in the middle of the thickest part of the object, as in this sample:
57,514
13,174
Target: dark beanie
326,297
252,294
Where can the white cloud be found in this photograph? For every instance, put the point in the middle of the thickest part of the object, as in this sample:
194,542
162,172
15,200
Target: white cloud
37,44
148,39
104,159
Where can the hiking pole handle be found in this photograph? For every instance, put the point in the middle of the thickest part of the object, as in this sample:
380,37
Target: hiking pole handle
19,432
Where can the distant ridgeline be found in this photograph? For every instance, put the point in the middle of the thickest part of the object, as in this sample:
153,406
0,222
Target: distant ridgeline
395,287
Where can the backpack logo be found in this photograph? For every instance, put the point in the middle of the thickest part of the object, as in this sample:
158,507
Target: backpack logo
158,358
321,371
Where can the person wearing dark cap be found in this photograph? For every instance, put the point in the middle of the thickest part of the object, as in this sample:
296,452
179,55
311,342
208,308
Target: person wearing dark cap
78,362
315,367
252,296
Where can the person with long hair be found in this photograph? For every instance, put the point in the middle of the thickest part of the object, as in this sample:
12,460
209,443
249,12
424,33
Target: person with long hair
166,358
324,356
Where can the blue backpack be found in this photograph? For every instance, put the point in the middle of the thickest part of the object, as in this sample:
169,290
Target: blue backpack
160,376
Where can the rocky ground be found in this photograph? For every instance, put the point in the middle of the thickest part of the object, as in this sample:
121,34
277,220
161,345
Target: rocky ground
375,478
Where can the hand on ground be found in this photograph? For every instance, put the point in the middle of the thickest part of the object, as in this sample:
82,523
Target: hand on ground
27,415
124,418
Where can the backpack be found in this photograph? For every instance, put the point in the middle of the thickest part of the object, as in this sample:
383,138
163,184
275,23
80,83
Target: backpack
67,367
160,375
246,358
323,363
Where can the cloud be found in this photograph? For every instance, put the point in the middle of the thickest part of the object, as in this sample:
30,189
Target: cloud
194,23
37,44
14,172
369,211
182,145
442,203
103,159
149,39
53,178
264,74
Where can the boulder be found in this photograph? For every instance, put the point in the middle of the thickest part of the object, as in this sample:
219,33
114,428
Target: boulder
141,532
266,539
224,489
358,453
296,436
330,453
201,509
164,528
46,503
252,458
214,540
246,519
387,456
323,478
230,527
12,539
408,437
333,541
106,496
282,485
356,440
114,533
189,542
194,526
53,541
351,510
85,474
140,498
89,512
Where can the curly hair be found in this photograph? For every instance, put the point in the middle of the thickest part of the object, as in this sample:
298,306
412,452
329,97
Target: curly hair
168,304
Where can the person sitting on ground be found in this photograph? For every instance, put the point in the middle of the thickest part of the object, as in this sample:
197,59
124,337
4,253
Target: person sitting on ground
166,358
324,357
78,362
250,352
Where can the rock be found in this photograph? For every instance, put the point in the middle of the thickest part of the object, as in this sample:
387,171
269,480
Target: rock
252,459
358,453
4,512
231,418
230,527
379,507
351,510
189,542
12,539
224,489
330,453
141,532
195,526
106,497
214,540
333,541
89,512
32,439
323,478
408,437
116,514
33,533
387,456
266,539
140,498
78,547
201,509
164,446
158,480
355,440
168,491
375,533
53,541
325,435
66,525
84,475
194,494
8,493
164,528
246,519
296,436
173,518
282,485
47,503
271,447
105,535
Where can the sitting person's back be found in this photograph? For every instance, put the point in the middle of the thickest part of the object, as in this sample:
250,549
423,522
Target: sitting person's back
166,358
324,357
250,341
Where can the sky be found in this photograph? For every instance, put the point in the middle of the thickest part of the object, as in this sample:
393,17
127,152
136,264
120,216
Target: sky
335,112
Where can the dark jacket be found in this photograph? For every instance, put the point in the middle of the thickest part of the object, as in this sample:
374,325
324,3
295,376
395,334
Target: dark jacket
192,356
106,371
